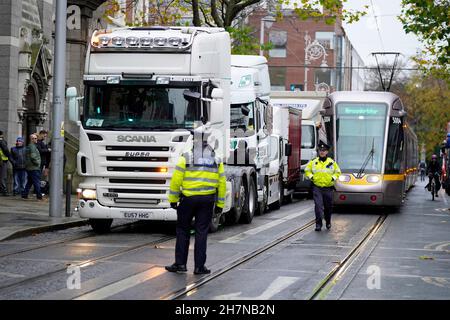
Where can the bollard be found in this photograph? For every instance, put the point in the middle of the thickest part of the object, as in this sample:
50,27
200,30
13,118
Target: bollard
68,194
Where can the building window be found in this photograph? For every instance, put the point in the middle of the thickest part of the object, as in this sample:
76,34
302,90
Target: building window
323,76
277,78
279,42
326,39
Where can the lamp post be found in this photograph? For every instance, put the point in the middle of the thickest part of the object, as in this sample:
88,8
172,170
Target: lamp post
313,51
267,20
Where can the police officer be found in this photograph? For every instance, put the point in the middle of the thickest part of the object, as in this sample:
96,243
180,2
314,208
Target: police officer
200,176
323,172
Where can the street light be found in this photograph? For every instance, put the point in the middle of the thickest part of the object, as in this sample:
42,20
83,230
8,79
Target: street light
267,20
313,51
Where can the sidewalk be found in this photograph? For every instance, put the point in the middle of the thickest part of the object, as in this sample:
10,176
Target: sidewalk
19,218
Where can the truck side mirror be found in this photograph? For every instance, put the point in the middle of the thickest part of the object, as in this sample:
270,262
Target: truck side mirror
288,149
245,110
74,109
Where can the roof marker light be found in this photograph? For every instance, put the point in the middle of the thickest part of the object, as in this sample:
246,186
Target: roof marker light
146,41
132,41
175,41
118,41
104,40
160,41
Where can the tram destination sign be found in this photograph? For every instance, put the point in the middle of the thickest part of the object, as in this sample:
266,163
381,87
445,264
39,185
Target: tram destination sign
363,111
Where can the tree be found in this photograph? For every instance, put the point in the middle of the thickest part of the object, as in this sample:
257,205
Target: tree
429,20
427,101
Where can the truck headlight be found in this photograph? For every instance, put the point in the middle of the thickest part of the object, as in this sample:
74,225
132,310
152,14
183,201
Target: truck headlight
89,194
245,81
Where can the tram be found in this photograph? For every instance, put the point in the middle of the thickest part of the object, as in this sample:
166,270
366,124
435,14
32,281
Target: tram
374,146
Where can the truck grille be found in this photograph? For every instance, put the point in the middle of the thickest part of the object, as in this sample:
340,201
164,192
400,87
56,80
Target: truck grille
146,159
133,169
137,181
136,148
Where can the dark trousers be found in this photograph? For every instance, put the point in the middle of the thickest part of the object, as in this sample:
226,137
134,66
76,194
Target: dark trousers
323,201
34,178
436,181
20,180
200,207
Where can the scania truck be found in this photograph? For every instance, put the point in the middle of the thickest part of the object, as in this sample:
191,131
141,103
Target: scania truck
145,91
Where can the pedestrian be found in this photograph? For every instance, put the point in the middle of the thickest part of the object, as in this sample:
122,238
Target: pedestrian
33,167
198,184
4,157
18,154
44,150
323,172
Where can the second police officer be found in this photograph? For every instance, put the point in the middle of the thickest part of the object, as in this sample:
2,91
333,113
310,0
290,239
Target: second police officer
323,172
197,189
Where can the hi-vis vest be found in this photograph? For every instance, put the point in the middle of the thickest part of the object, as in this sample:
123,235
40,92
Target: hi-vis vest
204,177
324,173
2,156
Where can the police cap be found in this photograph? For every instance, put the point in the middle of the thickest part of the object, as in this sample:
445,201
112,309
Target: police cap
323,146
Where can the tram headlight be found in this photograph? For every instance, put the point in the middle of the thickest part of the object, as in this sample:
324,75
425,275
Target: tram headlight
373,179
344,178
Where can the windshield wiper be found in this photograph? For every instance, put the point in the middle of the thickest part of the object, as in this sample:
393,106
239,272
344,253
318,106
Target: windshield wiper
364,165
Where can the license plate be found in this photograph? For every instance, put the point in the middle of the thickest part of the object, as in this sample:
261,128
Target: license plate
137,215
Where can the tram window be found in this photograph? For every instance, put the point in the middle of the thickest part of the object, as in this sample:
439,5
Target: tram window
394,146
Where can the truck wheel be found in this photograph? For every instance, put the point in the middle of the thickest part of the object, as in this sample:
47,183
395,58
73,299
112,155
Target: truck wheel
250,204
263,204
234,215
101,225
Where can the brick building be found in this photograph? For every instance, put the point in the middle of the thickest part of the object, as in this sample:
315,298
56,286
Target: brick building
334,68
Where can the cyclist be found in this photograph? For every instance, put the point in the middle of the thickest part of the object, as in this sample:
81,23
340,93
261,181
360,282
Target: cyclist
434,171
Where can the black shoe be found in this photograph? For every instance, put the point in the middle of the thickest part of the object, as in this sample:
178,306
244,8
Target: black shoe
328,225
202,270
318,228
176,268
437,195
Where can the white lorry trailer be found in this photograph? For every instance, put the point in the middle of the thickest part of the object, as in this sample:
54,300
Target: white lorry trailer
310,103
251,123
145,91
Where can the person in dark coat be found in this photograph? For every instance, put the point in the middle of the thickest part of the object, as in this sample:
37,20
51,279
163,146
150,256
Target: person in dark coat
33,166
44,149
18,154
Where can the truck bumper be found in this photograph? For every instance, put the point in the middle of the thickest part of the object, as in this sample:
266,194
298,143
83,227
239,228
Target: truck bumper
93,210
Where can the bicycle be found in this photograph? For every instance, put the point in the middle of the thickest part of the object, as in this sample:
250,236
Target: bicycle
432,187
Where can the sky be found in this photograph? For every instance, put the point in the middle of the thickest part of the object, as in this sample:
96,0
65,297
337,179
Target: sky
364,34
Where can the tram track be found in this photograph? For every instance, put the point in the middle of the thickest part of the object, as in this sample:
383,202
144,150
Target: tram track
327,283
64,240
88,262
193,287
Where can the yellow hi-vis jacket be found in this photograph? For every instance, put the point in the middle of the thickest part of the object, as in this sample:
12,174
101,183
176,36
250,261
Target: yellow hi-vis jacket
322,174
198,179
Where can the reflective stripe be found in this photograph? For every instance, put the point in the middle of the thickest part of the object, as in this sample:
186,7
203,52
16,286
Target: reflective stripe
220,199
208,169
180,169
201,179
322,170
175,193
200,189
222,175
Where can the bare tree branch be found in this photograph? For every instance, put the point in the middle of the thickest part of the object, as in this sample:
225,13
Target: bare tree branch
215,14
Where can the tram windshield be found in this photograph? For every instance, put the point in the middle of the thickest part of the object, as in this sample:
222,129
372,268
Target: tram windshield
360,129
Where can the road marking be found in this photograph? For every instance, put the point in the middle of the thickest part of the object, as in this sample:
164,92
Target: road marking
437,281
438,246
278,285
122,285
245,234
11,275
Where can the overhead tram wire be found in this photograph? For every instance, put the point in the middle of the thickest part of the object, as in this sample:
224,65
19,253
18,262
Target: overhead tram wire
376,23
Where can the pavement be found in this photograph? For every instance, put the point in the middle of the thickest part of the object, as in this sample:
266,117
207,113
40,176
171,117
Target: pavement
20,218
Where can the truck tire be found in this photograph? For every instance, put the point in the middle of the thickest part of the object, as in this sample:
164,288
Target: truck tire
250,204
235,213
215,222
101,225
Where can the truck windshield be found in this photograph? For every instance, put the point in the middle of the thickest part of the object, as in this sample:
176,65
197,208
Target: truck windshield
242,119
359,132
140,108
308,137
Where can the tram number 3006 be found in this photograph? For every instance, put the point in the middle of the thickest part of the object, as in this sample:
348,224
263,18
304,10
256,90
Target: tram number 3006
396,120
